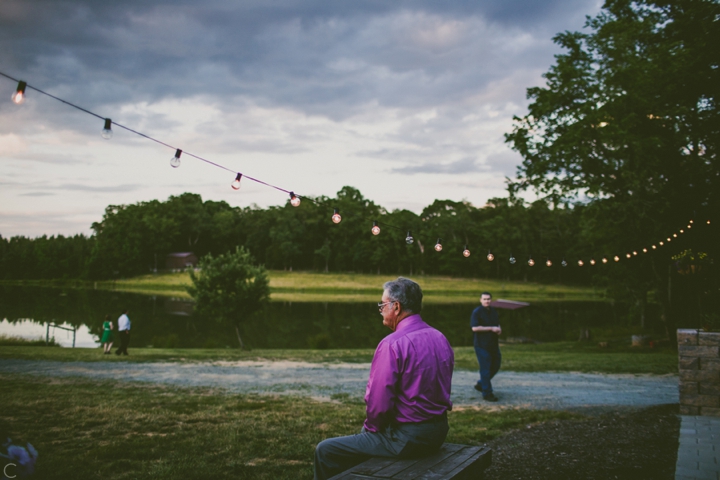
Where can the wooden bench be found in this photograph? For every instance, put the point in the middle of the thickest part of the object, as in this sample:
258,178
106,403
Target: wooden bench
452,461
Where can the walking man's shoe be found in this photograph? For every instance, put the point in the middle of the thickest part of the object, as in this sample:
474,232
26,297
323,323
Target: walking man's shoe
490,397
478,387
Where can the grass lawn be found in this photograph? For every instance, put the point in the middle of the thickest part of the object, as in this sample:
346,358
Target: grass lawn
556,356
114,430
346,287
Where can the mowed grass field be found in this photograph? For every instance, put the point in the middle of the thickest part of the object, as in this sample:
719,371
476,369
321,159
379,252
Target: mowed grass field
347,287
108,430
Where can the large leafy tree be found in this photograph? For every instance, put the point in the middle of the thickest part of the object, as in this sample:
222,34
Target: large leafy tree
628,122
229,288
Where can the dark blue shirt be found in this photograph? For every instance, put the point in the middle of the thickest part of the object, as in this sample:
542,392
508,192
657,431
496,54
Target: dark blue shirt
485,317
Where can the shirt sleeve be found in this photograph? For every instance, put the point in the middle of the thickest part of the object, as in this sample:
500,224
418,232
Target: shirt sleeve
380,395
475,318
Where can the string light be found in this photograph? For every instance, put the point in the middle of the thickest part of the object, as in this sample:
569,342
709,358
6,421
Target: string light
592,261
19,95
635,252
616,258
627,255
438,245
107,132
294,200
604,260
175,161
548,263
563,263
580,263
236,183
409,238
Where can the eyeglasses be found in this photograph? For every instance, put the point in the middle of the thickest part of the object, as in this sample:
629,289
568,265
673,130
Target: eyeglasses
382,305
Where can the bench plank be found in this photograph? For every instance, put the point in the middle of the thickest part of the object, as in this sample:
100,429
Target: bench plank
453,461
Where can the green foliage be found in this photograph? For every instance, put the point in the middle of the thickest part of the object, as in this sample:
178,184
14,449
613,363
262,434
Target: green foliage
229,288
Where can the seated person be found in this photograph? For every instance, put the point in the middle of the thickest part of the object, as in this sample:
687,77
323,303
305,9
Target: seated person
408,391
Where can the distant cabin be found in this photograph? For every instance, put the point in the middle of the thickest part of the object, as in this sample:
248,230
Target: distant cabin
180,261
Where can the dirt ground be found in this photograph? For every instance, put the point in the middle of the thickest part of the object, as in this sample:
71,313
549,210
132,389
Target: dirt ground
625,444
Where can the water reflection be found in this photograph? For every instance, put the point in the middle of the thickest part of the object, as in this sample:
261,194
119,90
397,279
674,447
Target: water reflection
168,322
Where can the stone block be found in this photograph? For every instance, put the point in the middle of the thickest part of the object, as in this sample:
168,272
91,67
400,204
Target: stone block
699,376
700,400
711,352
709,339
687,337
709,389
710,411
709,364
689,363
689,388
689,410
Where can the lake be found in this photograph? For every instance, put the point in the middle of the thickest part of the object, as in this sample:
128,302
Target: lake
167,322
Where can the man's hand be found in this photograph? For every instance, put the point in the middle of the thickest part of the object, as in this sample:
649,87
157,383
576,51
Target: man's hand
497,330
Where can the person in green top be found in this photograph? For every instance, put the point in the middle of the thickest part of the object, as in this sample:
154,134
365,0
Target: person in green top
107,335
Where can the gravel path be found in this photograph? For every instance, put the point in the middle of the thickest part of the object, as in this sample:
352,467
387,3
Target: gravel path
527,390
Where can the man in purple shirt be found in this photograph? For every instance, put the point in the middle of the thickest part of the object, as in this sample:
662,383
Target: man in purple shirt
408,392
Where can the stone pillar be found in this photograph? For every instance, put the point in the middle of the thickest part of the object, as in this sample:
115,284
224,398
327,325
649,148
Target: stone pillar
699,366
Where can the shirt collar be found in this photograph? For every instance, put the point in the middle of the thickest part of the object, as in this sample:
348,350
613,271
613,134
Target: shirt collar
409,321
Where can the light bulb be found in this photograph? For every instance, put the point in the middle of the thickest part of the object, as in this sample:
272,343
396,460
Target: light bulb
409,239
107,132
466,252
236,183
689,226
563,263
628,255
531,262
674,235
661,243
512,260
683,231
669,239
708,222
438,245
634,252
691,221
548,263
375,229
616,258
294,200
592,261
336,218
580,263
604,260
19,95
644,250
490,257
175,161
654,247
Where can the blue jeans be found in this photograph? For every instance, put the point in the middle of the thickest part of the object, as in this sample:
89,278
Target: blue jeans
403,440
489,361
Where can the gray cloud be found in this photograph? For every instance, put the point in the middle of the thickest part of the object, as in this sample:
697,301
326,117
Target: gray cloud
465,165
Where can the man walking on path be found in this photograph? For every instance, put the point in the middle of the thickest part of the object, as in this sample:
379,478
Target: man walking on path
485,325
407,394
123,333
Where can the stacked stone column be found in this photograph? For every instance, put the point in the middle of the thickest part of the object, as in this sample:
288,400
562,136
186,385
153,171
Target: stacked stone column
699,365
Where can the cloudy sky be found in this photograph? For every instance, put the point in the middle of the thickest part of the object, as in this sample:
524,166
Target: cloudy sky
406,101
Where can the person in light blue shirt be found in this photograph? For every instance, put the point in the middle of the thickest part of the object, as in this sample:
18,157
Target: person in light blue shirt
123,333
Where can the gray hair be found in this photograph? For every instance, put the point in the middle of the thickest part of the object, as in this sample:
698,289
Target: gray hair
406,292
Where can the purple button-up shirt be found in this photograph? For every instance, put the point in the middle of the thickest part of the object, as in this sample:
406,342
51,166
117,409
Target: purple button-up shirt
410,376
